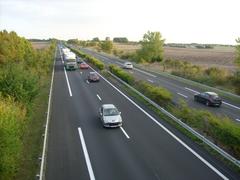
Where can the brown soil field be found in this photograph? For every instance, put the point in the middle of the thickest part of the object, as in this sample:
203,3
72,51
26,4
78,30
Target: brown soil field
222,57
40,45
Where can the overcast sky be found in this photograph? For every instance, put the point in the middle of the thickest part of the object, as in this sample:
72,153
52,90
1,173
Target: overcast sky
180,21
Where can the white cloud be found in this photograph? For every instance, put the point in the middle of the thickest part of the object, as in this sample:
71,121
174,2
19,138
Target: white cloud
203,21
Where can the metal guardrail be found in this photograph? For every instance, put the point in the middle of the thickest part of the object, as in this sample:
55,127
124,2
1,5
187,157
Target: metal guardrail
41,175
185,126
179,78
190,82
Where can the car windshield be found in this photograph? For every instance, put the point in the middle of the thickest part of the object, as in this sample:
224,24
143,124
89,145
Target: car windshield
94,75
110,112
214,96
71,60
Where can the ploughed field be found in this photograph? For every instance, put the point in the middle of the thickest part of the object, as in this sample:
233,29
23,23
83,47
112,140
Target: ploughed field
40,45
219,56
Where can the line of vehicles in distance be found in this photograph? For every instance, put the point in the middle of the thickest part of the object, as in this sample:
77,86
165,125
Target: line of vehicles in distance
108,113
207,98
73,62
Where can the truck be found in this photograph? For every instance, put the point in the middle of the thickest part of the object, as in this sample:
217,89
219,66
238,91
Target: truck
70,62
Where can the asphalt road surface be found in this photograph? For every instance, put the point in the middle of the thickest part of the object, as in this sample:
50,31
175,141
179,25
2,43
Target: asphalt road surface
180,90
145,147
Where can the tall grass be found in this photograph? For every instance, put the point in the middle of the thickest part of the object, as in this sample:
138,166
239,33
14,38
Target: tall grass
12,116
23,71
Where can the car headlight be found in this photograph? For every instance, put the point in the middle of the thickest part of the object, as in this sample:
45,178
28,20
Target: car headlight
120,119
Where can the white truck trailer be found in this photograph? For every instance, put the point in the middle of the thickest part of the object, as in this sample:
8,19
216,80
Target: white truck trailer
70,62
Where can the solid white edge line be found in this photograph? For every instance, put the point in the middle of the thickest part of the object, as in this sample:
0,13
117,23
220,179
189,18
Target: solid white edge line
124,132
222,102
87,159
99,97
47,121
151,81
164,128
69,88
182,95
145,72
231,105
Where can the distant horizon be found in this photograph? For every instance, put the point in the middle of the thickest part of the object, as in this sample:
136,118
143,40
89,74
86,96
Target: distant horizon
128,41
185,21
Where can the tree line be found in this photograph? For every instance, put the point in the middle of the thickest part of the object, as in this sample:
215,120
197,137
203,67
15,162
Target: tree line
23,72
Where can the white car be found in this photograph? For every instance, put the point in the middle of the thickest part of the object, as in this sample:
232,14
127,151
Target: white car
127,65
110,116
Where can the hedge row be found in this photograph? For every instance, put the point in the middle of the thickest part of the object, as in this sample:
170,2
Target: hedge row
23,74
158,94
122,74
222,130
12,116
90,59
212,76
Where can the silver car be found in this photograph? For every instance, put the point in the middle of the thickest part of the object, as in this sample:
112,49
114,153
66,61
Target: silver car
110,116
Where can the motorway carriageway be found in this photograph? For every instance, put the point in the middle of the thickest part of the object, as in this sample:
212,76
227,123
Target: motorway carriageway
179,89
144,148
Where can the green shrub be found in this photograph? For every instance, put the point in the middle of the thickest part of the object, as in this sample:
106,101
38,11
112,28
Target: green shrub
121,74
236,81
216,75
12,117
22,72
222,130
96,62
212,76
158,94
18,83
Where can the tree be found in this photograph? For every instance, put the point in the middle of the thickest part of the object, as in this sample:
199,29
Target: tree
106,46
236,80
152,47
120,39
96,39
73,41
237,60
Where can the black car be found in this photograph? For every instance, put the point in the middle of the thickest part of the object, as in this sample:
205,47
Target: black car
79,60
93,77
208,98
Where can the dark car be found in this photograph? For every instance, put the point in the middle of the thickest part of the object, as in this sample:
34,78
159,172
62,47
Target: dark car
79,60
208,98
93,77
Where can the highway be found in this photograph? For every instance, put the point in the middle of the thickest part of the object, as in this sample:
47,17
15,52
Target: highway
179,89
145,147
